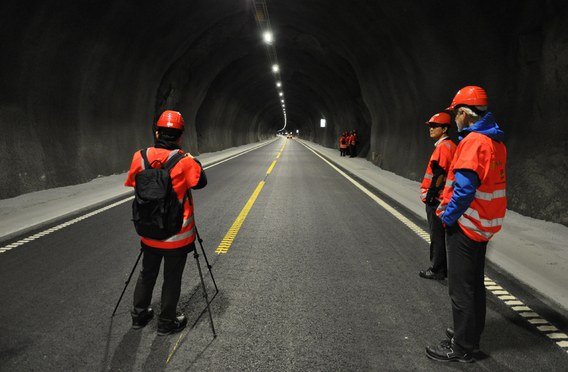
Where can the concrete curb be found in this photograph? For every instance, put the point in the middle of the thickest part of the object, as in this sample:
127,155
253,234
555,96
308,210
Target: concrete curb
34,211
529,250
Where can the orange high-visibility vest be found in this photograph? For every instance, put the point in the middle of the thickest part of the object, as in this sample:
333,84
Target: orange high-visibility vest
344,144
184,175
353,139
443,154
487,158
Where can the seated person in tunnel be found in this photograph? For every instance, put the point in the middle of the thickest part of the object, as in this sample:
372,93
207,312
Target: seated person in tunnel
431,192
472,209
185,174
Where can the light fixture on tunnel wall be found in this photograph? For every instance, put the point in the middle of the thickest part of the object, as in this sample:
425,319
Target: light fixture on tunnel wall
322,123
263,22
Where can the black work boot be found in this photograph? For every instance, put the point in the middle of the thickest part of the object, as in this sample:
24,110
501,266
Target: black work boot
447,351
429,274
166,327
450,336
140,319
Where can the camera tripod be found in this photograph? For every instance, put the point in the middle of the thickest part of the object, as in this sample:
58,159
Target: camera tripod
205,295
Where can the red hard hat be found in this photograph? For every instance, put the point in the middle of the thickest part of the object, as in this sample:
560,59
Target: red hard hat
170,119
470,96
441,118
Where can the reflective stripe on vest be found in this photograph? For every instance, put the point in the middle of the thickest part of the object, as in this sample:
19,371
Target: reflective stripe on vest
474,215
182,236
443,156
490,196
470,228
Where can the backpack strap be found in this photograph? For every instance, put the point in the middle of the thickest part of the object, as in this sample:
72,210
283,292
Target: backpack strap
145,159
172,161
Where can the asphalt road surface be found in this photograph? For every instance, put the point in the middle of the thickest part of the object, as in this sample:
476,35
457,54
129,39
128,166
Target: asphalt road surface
318,277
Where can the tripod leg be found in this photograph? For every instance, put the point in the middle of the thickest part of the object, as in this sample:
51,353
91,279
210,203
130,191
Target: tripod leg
196,255
126,283
207,262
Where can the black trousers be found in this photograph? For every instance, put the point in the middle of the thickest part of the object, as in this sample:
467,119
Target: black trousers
438,261
171,288
352,150
466,267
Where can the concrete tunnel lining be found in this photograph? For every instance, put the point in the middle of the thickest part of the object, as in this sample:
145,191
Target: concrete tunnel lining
82,82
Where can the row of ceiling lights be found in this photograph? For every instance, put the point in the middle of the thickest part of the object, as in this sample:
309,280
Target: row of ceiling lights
263,22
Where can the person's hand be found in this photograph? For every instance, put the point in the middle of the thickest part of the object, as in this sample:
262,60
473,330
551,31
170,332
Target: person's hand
431,197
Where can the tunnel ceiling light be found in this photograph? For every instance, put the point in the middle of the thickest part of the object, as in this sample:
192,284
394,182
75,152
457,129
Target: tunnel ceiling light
265,30
322,123
268,37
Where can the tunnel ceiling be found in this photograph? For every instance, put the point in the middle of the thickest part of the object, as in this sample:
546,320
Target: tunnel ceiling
83,81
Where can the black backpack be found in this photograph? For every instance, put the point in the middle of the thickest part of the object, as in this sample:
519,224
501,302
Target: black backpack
156,211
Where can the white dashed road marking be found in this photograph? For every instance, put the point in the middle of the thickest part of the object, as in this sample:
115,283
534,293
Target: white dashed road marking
60,226
514,303
81,218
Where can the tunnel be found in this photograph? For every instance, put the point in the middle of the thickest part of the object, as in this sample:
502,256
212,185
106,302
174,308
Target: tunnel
82,82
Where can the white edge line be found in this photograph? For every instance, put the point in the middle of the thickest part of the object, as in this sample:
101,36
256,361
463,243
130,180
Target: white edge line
514,304
102,209
239,154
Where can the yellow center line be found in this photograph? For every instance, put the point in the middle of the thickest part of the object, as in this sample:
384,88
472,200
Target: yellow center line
233,231
181,336
230,236
271,167
236,226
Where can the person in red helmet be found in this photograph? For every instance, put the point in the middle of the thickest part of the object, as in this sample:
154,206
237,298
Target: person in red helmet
185,175
343,144
353,144
472,209
431,192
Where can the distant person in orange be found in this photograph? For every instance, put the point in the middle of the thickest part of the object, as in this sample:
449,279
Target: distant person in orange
343,144
353,144
431,192
472,209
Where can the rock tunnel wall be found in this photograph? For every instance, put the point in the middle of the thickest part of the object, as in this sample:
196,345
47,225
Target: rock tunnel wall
83,81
